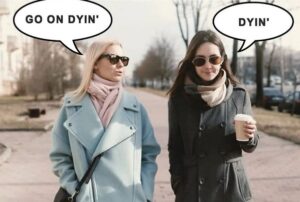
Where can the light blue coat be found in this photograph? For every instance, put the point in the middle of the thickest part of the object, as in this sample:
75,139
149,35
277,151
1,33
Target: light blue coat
127,168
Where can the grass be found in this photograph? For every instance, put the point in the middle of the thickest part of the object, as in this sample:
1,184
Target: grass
271,122
278,124
13,113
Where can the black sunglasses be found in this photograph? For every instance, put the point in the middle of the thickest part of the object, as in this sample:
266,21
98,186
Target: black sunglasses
201,60
114,59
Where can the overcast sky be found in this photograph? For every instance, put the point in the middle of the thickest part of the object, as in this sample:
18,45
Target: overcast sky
137,23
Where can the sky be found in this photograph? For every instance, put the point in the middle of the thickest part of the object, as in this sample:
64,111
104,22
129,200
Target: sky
137,23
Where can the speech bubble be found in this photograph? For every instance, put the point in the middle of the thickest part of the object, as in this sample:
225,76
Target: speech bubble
253,21
63,20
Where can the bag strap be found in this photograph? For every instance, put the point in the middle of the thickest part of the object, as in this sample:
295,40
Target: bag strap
86,178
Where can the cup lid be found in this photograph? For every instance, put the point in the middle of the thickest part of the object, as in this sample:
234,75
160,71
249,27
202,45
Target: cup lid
243,117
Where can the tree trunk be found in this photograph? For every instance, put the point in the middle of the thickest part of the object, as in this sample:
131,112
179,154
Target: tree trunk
234,57
269,65
259,52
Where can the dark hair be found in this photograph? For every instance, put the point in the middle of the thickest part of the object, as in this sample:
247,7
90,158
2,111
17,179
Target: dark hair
185,64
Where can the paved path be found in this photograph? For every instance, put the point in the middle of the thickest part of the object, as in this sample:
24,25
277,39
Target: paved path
27,176
273,168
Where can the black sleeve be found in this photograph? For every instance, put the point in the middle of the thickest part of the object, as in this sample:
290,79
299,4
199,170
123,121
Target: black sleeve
252,143
175,147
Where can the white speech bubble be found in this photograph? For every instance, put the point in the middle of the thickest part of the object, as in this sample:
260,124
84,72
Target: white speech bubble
253,21
63,20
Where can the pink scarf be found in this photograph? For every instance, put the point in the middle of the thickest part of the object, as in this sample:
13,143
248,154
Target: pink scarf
106,97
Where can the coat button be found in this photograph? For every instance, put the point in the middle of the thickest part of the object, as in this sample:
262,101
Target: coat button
130,127
201,180
223,124
221,181
70,124
134,106
202,128
69,101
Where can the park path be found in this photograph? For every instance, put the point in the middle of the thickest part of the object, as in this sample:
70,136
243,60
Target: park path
273,169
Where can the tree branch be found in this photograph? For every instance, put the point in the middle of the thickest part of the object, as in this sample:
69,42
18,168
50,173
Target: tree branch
184,5
185,40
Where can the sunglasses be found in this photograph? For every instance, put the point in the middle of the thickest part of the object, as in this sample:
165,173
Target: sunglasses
114,59
201,60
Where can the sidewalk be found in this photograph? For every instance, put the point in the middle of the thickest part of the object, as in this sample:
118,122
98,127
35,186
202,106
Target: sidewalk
273,169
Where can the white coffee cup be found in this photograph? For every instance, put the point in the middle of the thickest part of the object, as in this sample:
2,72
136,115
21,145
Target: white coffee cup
240,120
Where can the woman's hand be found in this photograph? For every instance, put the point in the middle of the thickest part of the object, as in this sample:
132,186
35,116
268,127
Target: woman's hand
250,128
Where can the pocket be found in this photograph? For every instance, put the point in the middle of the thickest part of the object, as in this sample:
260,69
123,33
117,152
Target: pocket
189,185
242,180
176,182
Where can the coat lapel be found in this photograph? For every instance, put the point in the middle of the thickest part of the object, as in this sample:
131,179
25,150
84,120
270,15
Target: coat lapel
85,124
121,126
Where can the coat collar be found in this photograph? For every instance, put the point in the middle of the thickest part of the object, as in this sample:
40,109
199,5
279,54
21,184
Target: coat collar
128,101
86,126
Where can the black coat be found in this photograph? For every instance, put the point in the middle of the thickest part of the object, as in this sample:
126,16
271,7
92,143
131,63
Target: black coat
205,158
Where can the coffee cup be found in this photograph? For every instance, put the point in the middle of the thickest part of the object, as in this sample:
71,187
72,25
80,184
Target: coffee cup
240,120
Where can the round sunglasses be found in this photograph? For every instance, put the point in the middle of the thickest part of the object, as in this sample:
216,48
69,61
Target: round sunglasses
114,59
201,60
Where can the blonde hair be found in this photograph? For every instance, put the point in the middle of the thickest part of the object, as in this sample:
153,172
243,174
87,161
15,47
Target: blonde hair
94,51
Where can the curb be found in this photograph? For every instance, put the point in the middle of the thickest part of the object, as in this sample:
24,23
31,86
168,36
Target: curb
5,154
46,128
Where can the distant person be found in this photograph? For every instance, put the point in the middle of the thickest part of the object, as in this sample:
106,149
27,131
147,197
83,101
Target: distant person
101,118
205,157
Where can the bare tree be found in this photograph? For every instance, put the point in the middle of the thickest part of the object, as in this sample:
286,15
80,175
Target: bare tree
234,59
194,8
22,87
269,65
50,69
57,71
40,62
158,62
259,53
75,62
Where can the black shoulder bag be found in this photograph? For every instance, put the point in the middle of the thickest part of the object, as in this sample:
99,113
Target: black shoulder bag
63,196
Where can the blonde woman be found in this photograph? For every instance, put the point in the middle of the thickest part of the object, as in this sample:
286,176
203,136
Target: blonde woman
101,119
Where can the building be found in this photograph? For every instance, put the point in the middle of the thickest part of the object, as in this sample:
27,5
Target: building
4,12
11,53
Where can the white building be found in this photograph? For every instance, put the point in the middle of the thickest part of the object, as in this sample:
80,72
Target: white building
11,53
4,12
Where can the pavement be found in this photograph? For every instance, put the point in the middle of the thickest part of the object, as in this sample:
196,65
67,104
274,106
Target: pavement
273,169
